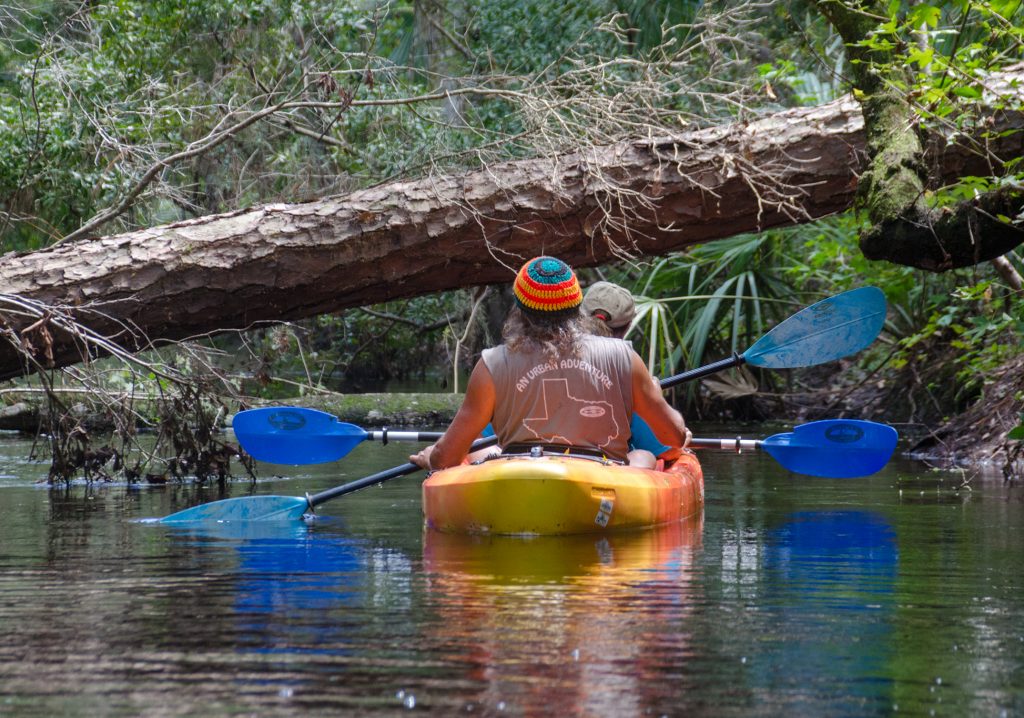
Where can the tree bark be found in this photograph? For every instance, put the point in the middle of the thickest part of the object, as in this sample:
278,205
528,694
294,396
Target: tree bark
289,261
906,229
967,233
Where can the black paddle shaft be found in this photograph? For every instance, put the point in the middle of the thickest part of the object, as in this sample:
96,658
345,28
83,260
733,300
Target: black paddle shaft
734,360
381,477
411,468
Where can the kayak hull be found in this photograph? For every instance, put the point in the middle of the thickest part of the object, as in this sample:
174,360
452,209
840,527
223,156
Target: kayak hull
522,495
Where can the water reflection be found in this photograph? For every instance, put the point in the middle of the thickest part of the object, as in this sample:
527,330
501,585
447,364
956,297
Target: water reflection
287,577
773,607
567,625
831,595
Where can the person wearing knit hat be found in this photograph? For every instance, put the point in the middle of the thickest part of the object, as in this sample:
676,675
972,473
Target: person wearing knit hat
547,287
554,384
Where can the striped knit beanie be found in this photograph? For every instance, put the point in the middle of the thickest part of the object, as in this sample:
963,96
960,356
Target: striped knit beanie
547,287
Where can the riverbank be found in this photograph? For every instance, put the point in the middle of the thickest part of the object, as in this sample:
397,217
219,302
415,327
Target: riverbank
973,438
426,411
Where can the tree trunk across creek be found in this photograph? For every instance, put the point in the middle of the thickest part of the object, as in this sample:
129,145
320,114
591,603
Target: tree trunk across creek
290,261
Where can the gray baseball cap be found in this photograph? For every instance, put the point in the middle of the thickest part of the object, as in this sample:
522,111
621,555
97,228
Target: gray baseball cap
610,303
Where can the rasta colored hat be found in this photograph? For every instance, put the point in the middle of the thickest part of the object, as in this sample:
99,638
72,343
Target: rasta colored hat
547,287
610,303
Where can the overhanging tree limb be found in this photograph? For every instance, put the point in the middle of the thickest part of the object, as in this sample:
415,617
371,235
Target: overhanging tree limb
905,227
288,261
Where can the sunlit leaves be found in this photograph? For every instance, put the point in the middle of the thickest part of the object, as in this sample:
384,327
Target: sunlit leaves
924,15
1017,433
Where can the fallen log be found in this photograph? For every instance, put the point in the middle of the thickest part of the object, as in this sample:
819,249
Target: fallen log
290,261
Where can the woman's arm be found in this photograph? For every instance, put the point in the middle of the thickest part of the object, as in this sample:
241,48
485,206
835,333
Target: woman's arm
474,414
649,403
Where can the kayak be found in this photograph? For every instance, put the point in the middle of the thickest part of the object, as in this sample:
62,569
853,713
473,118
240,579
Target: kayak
553,493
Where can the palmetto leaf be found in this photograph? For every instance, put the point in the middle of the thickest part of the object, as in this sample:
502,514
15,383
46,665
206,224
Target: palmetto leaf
734,385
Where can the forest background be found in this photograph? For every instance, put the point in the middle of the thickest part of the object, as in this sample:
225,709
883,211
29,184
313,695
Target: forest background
121,115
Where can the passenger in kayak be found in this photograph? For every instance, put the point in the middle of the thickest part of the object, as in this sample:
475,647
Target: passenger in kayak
554,384
610,310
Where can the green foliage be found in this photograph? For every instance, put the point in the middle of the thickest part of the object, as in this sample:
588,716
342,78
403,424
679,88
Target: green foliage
1017,433
91,96
90,100
391,346
805,58
709,303
943,58
950,331
982,329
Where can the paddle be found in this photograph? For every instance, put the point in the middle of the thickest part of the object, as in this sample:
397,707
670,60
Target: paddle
293,435
832,448
825,331
828,330
290,508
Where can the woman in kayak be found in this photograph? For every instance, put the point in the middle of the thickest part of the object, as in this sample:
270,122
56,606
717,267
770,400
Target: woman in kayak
609,310
553,384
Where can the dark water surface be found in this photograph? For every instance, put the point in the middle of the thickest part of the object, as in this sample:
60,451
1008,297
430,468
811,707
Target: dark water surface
896,594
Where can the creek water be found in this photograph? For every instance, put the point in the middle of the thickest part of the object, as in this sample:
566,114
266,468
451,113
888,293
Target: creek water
901,593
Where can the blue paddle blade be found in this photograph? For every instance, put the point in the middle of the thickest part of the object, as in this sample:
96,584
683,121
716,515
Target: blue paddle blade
245,508
823,332
834,448
293,435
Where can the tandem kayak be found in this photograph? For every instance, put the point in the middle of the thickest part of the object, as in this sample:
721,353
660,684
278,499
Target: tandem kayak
557,494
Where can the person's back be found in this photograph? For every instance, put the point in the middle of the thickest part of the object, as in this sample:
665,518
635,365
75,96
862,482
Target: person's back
583,400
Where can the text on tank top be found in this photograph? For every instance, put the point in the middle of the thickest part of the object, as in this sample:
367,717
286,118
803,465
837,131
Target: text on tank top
583,401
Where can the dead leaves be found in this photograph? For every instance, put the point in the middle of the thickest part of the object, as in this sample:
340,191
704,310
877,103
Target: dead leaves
43,339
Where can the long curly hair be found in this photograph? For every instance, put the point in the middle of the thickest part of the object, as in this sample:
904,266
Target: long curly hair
555,336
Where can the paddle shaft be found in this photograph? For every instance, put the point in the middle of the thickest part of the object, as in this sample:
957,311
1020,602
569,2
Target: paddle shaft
702,371
814,324
828,448
386,435
387,475
738,445
410,468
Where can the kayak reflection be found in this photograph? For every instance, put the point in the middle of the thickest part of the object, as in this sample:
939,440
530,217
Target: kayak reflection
567,625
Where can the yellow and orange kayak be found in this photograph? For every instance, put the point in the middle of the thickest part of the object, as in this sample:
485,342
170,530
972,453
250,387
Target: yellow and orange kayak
553,494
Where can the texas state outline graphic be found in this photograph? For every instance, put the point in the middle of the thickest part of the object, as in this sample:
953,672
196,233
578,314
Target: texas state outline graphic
555,392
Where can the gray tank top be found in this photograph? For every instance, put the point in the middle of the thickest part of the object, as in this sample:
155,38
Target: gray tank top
584,401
